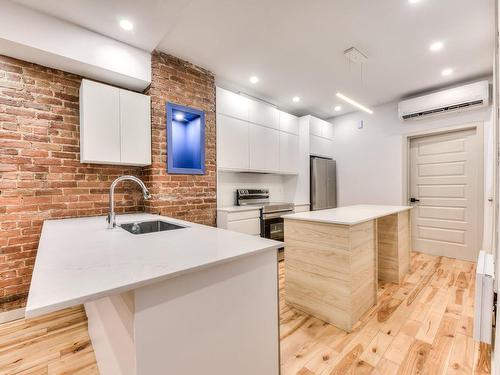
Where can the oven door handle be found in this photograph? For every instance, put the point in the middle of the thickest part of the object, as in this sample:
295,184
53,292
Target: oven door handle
275,215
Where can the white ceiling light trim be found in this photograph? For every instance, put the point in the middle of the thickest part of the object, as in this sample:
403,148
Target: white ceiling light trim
436,46
447,72
126,24
354,103
254,79
296,99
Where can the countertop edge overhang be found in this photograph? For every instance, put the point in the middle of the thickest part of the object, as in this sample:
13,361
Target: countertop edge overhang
80,260
348,215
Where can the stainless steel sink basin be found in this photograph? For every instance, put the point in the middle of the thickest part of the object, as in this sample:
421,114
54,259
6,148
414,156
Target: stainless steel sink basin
141,227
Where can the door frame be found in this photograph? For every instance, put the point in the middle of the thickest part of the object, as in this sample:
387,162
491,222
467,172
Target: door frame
478,126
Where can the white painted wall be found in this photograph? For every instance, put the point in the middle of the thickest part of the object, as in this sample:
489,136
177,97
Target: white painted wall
370,160
32,36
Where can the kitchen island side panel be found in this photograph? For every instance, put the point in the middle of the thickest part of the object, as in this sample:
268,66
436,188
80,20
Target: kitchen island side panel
111,330
394,246
221,320
330,270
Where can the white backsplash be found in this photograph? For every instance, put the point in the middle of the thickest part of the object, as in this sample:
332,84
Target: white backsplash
228,182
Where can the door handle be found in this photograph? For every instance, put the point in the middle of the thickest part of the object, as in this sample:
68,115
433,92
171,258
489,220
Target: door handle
413,200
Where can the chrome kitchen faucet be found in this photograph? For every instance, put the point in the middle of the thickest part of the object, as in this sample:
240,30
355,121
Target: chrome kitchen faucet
111,215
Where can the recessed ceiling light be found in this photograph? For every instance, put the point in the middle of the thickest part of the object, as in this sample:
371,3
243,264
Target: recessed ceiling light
179,116
296,99
126,25
436,46
413,1
254,79
337,108
447,72
354,103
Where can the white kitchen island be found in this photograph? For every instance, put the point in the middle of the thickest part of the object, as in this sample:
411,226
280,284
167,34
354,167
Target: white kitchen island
195,300
334,257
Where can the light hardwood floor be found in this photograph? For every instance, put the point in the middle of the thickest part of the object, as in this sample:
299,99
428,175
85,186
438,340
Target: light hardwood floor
52,344
422,327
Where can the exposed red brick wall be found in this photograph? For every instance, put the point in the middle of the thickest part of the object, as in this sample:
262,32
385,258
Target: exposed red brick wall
188,197
41,176
40,173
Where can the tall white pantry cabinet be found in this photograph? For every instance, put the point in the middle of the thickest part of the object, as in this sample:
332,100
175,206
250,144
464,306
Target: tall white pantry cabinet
115,125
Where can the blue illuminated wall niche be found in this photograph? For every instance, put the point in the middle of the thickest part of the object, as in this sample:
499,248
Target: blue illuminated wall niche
185,140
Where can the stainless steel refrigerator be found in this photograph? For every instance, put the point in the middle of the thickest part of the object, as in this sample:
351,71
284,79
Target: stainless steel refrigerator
323,183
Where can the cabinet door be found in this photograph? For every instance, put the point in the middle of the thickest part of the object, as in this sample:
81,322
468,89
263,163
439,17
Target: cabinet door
250,226
231,104
263,114
264,148
289,153
135,128
232,143
321,146
99,123
289,123
315,126
327,130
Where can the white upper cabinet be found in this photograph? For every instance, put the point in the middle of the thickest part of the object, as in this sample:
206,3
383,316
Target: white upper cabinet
320,146
289,123
264,148
263,114
232,143
99,123
135,131
289,153
253,136
320,137
320,128
115,125
231,104
327,130
315,126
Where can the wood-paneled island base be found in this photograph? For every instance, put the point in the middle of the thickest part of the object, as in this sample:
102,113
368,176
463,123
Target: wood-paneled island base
334,259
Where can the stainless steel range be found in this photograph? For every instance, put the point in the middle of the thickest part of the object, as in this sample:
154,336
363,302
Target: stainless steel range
271,223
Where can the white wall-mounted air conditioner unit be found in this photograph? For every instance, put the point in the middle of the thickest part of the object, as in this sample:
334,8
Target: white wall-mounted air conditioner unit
471,96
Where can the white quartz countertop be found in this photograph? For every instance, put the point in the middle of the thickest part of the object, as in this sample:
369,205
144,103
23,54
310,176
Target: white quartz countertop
348,215
79,260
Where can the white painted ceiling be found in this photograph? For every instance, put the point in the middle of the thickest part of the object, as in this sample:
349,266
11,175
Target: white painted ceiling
296,46
152,19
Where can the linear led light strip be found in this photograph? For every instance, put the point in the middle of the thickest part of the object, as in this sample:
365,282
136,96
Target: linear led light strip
354,103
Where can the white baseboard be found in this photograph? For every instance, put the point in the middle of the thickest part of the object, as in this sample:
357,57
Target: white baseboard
9,316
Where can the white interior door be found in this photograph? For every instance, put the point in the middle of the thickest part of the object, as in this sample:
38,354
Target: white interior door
446,180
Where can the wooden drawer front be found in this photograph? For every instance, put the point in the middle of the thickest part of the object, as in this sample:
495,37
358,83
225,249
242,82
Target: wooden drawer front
250,226
243,215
